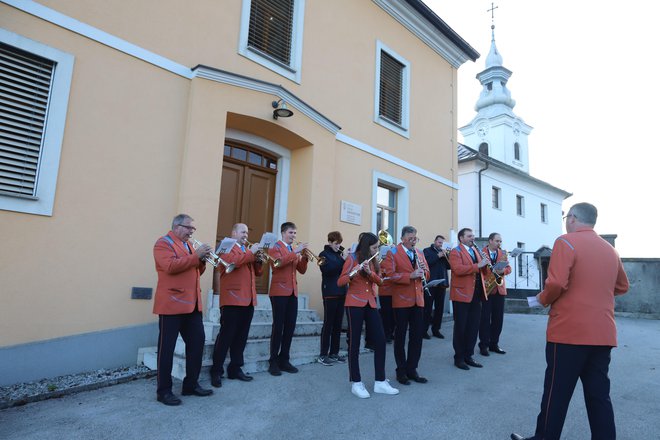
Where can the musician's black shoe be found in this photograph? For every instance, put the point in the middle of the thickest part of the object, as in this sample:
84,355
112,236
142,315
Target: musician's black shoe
437,334
215,380
471,362
286,366
402,379
484,351
426,335
461,365
417,378
497,349
515,436
240,375
274,369
168,399
197,391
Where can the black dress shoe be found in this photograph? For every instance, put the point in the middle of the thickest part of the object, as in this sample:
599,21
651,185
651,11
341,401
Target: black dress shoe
471,362
169,399
286,366
497,349
216,381
515,436
274,369
426,335
417,378
461,365
439,335
402,379
240,376
484,351
197,391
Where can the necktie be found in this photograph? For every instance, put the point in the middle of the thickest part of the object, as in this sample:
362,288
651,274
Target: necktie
411,255
243,248
290,248
474,257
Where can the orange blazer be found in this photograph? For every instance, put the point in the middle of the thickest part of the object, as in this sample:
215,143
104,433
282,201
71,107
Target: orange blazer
501,256
406,292
238,288
584,276
464,274
283,280
361,289
178,271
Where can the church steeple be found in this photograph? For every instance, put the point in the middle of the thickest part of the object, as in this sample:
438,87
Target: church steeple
496,131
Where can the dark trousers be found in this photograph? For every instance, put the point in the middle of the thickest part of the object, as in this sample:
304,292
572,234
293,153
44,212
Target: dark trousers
234,329
408,318
567,363
192,331
285,313
434,307
356,316
387,316
492,318
466,327
333,316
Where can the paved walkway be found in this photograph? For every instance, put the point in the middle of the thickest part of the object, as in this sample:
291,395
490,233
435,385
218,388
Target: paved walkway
479,404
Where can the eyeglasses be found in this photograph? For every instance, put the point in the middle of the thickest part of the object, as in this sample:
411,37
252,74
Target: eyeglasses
568,215
190,228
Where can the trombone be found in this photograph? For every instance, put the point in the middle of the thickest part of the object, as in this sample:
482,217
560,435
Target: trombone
310,255
213,258
263,256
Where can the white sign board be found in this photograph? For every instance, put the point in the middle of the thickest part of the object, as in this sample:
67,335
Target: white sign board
350,213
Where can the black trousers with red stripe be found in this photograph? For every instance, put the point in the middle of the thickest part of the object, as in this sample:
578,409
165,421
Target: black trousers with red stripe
566,364
234,330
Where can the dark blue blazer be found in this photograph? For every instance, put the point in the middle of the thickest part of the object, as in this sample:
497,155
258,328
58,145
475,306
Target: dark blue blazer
438,266
330,272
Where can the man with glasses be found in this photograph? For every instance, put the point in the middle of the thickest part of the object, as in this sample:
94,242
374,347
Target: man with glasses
178,304
405,267
584,276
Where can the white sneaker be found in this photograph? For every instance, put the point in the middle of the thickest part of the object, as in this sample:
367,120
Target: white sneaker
384,387
359,390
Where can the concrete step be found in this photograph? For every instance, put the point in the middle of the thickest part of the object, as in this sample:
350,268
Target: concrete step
308,324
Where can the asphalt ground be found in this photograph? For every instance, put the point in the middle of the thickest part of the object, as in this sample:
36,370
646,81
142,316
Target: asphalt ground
480,404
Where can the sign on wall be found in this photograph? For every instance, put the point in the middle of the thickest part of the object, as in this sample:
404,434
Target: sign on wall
350,213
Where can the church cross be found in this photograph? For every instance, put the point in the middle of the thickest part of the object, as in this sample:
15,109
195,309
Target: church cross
492,11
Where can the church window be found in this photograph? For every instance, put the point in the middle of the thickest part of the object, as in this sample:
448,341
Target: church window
483,148
497,194
516,151
520,205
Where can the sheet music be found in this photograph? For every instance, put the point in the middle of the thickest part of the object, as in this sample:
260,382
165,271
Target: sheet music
225,245
434,283
268,240
500,265
533,302
515,252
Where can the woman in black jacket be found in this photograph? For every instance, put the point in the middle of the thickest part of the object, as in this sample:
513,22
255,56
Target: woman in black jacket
333,300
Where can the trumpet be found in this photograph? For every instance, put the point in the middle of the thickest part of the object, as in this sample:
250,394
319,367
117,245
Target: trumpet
214,259
263,256
360,266
310,255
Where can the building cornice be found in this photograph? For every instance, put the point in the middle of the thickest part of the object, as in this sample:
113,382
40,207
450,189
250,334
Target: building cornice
415,16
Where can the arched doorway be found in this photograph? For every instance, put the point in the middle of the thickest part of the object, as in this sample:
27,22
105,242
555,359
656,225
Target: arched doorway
247,195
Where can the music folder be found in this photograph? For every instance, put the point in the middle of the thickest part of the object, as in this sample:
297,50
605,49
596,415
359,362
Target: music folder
225,245
500,265
434,283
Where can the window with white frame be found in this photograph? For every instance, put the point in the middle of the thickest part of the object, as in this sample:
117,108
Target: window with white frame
520,205
386,209
497,197
35,80
392,90
544,213
271,35
516,151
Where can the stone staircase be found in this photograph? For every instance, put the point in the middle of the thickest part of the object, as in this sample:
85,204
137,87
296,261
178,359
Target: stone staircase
304,348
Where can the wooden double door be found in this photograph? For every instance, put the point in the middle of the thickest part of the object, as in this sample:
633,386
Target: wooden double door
247,195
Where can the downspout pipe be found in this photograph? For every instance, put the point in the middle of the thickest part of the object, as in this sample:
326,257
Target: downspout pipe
480,216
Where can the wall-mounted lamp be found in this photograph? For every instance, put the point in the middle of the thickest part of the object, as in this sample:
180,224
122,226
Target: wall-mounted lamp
281,111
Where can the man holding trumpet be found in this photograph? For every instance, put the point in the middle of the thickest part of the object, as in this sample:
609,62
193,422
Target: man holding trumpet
238,297
178,304
407,271
284,297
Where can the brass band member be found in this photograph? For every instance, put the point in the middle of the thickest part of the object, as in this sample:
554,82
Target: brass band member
435,303
361,273
492,310
178,303
284,297
333,299
466,293
238,297
406,267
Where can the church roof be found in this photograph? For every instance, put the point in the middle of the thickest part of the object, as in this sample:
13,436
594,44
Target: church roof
467,154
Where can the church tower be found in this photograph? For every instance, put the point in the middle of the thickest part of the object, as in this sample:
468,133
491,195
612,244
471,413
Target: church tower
496,131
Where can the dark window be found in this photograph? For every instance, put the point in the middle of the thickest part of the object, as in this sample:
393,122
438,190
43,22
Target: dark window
516,151
483,148
520,206
496,197
544,213
391,88
271,27
25,83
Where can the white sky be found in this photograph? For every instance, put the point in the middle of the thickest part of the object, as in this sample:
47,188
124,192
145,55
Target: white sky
582,77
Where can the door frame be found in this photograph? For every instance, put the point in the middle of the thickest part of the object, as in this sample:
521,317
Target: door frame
283,155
